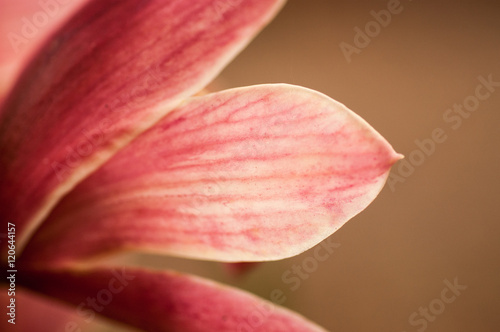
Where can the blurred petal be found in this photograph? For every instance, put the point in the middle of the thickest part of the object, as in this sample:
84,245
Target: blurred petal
241,268
166,301
108,75
26,25
35,313
255,173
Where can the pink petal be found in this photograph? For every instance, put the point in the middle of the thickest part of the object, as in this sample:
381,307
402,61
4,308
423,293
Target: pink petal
256,173
167,301
24,26
111,73
34,313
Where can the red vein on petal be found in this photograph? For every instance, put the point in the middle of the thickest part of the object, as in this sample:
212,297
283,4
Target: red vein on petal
87,72
314,179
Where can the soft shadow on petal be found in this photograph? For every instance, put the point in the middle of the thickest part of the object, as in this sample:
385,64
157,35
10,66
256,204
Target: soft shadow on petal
166,301
111,73
255,173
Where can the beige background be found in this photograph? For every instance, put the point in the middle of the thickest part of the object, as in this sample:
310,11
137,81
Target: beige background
443,221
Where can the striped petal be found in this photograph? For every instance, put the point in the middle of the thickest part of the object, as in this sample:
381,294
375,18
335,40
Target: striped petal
255,173
114,70
166,301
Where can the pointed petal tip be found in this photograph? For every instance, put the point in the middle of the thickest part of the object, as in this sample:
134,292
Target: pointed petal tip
397,157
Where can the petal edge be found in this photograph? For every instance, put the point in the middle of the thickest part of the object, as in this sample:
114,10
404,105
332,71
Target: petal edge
248,174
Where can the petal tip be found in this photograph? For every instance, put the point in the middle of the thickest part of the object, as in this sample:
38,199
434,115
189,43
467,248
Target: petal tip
396,157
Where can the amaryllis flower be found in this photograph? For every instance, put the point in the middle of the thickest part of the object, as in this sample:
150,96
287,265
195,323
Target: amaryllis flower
104,149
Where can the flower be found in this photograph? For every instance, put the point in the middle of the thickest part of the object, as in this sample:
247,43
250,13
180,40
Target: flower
104,150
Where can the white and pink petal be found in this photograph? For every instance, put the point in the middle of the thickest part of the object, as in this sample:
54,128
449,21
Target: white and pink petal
110,73
249,174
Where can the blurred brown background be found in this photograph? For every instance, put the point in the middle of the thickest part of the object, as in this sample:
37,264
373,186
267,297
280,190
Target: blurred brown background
442,222
440,219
